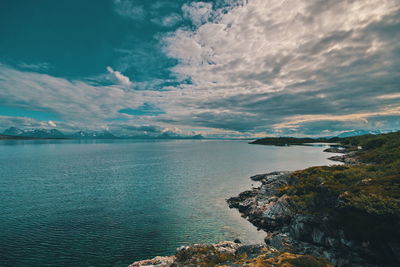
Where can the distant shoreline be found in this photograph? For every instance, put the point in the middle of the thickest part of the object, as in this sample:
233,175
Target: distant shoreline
13,137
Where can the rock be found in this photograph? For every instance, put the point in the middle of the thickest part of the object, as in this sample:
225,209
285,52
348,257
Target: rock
335,150
348,158
294,232
157,262
228,253
261,205
251,251
280,241
203,252
237,240
268,176
258,177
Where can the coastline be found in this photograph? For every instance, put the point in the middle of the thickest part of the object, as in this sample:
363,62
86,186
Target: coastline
347,214
233,253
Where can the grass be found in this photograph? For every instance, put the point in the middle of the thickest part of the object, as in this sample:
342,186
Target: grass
361,198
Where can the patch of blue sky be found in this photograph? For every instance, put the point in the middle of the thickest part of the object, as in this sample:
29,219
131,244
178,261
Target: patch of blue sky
117,119
28,113
97,37
146,109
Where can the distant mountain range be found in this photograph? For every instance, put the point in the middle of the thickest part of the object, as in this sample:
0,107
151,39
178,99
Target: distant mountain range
360,132
37,133
56,134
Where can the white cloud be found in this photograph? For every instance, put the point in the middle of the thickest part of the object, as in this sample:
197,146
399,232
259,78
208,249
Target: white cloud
271,49
243,48
167,21
122,79
73,101
389,96
52,123
296,121
197,12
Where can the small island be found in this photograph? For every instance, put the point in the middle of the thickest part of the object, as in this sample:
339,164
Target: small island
285,141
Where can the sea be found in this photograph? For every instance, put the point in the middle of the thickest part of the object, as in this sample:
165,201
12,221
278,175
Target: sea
112,202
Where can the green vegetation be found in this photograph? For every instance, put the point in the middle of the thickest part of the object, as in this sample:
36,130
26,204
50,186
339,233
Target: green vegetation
286,260
363,199
208,255
283,141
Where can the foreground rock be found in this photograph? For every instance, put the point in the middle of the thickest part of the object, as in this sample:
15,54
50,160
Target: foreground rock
294,230
232,254
348,158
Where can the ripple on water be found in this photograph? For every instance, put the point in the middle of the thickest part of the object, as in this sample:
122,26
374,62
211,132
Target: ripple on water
108,204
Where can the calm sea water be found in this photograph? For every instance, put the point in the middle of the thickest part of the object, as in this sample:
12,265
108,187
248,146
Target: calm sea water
109,203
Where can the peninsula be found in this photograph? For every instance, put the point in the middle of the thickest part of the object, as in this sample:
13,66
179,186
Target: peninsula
347,213
341,215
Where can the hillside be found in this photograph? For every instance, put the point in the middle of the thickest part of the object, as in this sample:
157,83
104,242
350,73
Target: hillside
348,213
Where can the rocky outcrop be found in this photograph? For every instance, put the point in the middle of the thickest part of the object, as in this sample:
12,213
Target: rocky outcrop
297,231
232,254
348,158
264,206
335,149
157,261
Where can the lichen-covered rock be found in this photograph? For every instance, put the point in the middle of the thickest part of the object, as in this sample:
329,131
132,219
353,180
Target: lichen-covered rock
288,260
204,254
233,254
262,205
348,158
156,262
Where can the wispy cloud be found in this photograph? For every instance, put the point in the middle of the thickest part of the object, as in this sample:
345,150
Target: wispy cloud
167,21
34,66
120,78
198,12
72,101
128,9
389,96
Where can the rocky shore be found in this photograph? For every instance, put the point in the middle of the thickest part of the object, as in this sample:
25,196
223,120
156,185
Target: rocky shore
342,215
268,209
318,228
232,254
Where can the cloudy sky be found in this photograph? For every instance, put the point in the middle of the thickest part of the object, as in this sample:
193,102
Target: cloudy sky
218,68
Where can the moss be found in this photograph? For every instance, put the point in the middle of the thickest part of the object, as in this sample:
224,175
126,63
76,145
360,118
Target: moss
208,255
308,261
358,197
363,187
287,260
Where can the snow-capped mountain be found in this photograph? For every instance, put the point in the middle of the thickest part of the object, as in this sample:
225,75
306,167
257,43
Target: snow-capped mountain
359,132
37,133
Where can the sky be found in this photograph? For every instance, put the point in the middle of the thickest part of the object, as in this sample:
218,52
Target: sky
223,68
